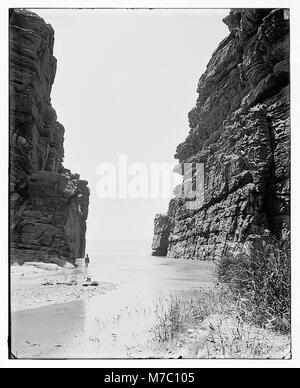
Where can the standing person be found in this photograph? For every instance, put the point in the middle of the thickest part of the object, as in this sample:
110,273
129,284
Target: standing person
86,260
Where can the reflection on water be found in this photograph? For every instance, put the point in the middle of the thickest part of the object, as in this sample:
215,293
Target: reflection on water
113,325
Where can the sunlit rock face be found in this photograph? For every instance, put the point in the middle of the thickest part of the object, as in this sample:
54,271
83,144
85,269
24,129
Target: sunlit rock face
48,204
240,130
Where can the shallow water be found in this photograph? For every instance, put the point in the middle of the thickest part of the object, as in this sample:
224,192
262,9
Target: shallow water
115,325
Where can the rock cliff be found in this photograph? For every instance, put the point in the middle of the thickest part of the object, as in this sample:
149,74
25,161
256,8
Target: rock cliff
240,130
48,204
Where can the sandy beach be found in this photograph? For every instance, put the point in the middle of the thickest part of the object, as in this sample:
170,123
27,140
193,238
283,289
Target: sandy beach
38,284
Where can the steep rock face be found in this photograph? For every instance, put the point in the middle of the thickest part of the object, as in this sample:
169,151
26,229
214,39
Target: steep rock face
48,204
239,129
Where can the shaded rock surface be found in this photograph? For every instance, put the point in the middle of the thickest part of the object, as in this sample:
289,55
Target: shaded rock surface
48,204
240,130
162,228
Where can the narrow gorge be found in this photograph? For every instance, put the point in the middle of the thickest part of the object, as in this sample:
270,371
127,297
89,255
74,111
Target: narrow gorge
240,130
48,204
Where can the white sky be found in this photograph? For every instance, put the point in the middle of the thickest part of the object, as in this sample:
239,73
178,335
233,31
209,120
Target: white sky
125,82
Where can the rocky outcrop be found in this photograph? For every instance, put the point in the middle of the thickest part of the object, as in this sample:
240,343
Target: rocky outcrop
240,130
48,204
162,229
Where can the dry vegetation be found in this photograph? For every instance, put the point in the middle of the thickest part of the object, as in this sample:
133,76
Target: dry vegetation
246,316
260,280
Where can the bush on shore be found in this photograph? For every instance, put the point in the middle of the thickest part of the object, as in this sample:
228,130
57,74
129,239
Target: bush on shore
259,278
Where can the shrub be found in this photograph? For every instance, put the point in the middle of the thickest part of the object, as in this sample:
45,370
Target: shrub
259,277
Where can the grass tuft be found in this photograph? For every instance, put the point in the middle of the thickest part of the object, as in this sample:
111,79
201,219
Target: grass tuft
211,324
259,279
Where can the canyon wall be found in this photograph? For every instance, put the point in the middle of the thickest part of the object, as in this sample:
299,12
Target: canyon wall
240,130
48,204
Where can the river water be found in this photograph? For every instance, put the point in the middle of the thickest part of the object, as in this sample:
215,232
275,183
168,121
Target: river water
115,325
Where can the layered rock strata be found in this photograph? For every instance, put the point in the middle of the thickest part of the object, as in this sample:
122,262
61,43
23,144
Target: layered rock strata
48,204
240,130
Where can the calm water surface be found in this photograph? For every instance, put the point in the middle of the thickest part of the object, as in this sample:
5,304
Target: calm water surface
116,324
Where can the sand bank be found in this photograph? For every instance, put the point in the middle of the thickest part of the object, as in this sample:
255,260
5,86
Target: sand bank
42,284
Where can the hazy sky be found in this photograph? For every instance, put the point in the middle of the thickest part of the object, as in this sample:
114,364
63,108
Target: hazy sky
125,82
